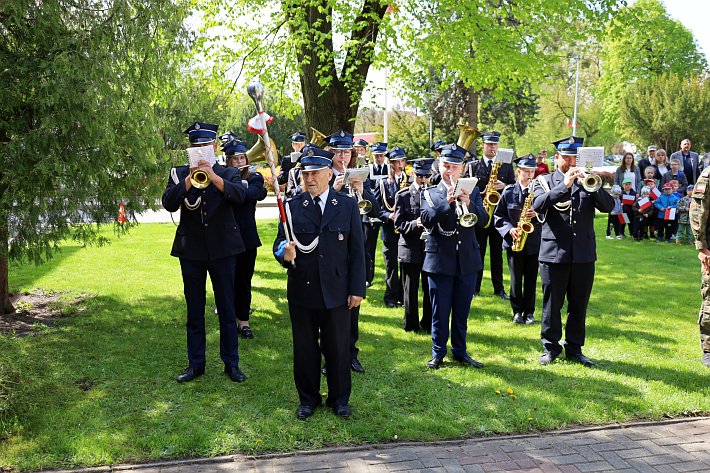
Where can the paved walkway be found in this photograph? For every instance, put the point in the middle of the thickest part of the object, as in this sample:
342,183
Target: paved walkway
672,446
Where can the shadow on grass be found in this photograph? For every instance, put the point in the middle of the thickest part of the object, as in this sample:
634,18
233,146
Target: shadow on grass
28,277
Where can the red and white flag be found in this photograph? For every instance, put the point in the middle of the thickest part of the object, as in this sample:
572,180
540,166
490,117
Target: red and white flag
669,214
624,219
254,123
655,193
627,199
644,203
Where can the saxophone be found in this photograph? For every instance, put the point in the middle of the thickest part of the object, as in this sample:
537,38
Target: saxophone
491,196
525,226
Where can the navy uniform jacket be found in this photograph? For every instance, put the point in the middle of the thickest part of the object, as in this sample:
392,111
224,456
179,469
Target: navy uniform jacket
458,253
383,172
210,231
323,278
507,215
478,169
410,247
387,199
568,235
244,214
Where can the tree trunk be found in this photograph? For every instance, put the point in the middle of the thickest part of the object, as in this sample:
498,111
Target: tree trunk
472,108
5,304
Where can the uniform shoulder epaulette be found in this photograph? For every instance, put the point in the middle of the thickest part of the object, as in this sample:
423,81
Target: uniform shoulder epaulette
509,186
406,189
706,172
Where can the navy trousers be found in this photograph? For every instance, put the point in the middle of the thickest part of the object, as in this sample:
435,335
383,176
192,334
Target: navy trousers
450,297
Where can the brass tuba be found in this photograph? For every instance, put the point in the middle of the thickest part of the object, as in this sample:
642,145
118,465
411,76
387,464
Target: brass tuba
318,138
467,134
258,152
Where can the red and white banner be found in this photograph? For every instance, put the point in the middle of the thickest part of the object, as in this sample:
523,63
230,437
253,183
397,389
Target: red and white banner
669,214
628,199
655,193
624,219
254,123
644,203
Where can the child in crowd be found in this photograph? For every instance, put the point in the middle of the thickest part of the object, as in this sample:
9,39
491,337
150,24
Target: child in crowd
613,218
683,207
644,217
650,174
628,198
666,219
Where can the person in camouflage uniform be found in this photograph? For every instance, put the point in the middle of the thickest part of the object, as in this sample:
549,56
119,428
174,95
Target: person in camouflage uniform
699,218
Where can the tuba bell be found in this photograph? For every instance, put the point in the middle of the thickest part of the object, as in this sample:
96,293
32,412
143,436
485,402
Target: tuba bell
467,134
258,152
318,138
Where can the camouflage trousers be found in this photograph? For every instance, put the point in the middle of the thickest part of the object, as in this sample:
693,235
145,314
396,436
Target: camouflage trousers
704,319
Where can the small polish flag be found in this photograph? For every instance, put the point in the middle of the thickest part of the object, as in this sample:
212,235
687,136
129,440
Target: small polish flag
569,123
655,193
644,203
669,214
628,199
254,123
624,219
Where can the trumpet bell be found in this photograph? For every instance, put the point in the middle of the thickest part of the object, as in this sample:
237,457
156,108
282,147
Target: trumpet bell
318,138
364,206
467,134
592,183
199,179
258,152
468,220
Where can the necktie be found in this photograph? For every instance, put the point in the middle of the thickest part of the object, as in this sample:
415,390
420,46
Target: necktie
316,200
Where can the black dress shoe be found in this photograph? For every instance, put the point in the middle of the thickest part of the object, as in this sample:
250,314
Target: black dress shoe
706,359
304,412
356,366
503,295
343,411
190,373
468,361
245,332
529,319
435,363
579,358
518,318
235,374
547,358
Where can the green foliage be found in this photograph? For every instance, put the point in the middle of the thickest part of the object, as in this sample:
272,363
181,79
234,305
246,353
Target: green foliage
79,128
100,388
643,42
664,110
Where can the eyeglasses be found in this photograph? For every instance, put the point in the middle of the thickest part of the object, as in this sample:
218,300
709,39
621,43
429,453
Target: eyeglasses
422,177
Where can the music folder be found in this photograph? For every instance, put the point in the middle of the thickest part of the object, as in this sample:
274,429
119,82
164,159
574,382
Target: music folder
357,174
198,153
465,183
504,155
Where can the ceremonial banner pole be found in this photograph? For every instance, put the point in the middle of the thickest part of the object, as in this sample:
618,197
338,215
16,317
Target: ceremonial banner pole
258,125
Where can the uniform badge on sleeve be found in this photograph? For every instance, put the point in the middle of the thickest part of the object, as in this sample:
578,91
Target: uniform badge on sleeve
699,189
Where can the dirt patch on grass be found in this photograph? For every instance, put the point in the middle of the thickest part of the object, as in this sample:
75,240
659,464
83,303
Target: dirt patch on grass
38,310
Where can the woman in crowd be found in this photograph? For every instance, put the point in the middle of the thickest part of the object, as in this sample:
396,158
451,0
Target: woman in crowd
628,170
662,166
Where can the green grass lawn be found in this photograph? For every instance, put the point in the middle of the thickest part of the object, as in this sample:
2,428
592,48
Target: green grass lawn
127,345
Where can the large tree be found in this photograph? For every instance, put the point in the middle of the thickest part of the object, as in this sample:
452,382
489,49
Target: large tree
80,130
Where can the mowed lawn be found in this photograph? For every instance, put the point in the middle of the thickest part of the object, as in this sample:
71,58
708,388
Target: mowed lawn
100,388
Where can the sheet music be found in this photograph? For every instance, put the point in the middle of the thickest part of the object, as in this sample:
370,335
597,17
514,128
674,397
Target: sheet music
294,156
465,183
590,154
357,174
201,152
504,155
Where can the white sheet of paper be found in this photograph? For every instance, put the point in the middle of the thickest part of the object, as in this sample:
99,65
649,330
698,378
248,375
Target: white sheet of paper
590,154
465,183
294,156
358,174
504,155
201,152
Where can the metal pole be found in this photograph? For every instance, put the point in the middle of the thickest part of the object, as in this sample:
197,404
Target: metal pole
384,133
576,101
431,131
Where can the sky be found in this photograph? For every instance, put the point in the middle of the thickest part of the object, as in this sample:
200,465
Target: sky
693,14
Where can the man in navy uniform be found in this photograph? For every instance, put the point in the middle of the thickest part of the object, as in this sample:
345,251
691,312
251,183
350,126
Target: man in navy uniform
410,250
379,169
298,141
436,149
567,251
207,240
325,281
385,191
482,170
523,264
451,258
360,147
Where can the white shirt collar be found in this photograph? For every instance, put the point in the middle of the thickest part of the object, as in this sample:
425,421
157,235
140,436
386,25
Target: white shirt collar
323,199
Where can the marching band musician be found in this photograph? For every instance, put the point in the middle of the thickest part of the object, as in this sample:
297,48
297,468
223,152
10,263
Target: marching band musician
360,147
385,192
451,258
379,169
298,141
482,170
207,240
436,149
235,155
522,263
567,251
328,280
410,251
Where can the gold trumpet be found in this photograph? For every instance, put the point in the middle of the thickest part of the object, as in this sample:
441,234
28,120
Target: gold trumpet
466,218
318,138
199,179
591,182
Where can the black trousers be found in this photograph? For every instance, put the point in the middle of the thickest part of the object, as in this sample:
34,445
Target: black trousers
411,273
572,281
354,331
483,235
332,328
612,222
665,227
393,291
523,281
242,283
371,233
194,278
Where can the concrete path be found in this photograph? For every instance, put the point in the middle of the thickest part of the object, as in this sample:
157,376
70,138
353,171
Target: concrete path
664,447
